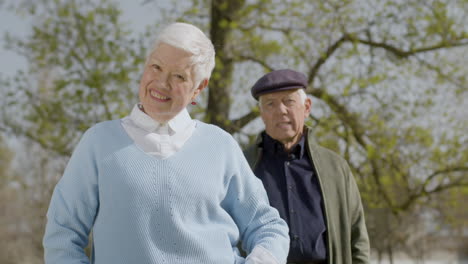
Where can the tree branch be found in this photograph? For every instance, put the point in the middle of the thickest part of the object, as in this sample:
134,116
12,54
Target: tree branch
331,49
238,124
439,172
351,120
342,112
439,72
423,193
256,60
405,53
61,150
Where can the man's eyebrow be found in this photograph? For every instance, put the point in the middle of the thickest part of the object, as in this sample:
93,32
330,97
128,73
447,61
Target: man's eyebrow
268,99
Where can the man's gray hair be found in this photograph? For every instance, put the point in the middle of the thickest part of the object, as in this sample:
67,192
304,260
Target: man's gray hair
303,95
189,38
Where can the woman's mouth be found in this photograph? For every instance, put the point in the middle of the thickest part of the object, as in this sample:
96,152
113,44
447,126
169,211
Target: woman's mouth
159,96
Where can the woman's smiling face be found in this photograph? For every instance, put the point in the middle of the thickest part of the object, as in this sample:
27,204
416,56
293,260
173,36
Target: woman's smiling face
167,84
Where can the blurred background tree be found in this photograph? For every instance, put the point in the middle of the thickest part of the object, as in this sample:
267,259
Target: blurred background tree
387,81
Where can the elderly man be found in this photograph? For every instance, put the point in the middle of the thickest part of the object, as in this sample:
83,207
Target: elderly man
159,187
312,187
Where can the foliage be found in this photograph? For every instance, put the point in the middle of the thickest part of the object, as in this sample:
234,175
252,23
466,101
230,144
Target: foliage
387,80
380,74
82,70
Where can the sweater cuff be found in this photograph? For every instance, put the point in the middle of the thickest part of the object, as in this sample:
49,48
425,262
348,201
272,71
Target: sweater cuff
259,255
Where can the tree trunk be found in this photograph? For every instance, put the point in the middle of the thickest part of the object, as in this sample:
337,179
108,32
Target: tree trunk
390,254
219,102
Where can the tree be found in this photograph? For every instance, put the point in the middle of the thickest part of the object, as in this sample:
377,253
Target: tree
7,204
83,67
357,68
24,194
359,58
387,81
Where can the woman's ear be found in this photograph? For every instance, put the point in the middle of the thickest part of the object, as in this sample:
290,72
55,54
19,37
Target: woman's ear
203,84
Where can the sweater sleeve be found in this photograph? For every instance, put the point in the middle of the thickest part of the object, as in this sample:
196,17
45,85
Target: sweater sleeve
73,207
360,248
260,225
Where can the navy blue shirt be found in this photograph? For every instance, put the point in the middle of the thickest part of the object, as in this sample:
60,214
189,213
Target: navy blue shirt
293,188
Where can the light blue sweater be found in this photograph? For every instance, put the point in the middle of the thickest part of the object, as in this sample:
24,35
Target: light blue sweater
192,207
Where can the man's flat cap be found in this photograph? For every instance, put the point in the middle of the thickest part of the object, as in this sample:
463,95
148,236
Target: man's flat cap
279,80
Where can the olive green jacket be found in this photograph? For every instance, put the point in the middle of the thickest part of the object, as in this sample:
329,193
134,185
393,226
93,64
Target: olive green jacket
347,238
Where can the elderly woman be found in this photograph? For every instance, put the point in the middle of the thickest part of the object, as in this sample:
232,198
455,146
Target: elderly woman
159,187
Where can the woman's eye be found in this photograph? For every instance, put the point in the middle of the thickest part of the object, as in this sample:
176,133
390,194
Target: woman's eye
180,77
156,67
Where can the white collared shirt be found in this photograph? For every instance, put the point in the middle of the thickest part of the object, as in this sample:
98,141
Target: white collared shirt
160,140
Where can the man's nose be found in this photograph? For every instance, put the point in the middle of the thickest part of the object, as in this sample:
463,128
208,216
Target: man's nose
281,109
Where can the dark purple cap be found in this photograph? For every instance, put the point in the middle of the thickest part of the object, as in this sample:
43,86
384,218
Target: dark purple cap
279,80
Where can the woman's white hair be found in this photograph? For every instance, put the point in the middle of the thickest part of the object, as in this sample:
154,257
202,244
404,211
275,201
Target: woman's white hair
189,38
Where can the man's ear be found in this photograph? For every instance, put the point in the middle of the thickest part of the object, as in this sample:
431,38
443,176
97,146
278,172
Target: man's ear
203,84
308,106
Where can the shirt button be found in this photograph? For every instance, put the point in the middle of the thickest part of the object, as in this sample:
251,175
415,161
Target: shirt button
292,211
287,163
290,187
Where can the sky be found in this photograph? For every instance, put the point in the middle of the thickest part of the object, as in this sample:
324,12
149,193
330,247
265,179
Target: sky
9,22
135,16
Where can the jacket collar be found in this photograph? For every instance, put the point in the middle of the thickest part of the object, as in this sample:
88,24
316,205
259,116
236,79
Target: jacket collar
311,142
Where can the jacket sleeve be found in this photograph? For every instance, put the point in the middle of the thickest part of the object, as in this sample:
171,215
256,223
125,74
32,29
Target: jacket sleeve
360,247
262,231
73,208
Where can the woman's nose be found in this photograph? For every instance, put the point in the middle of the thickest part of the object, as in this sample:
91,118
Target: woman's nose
162,81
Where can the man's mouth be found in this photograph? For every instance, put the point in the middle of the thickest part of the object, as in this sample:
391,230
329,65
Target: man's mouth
283,124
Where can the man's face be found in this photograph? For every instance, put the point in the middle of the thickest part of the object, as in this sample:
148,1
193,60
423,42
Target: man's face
283,114
167,84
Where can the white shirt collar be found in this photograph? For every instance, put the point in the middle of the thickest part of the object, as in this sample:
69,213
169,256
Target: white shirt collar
176,124
180,121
